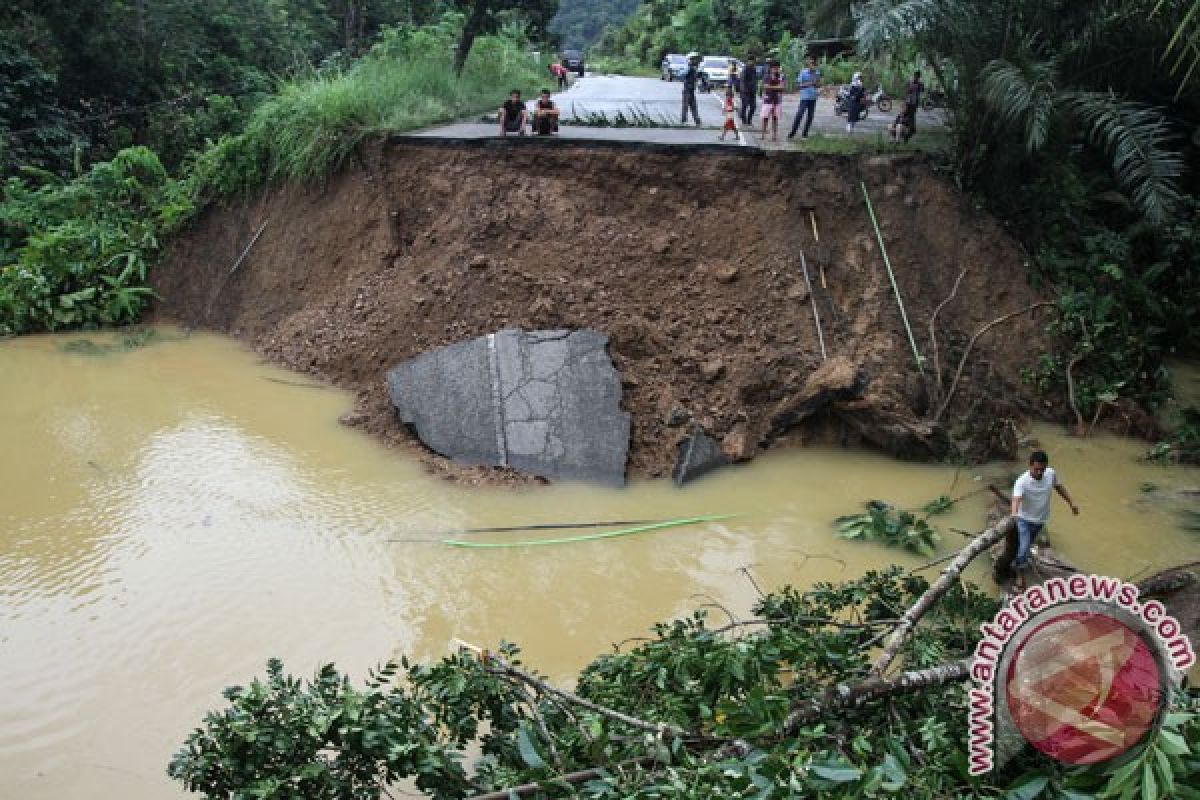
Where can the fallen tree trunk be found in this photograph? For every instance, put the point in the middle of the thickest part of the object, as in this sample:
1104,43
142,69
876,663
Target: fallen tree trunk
900,634
844,697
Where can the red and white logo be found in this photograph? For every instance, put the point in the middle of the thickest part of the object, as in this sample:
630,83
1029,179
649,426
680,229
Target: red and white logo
1084,688
1079,667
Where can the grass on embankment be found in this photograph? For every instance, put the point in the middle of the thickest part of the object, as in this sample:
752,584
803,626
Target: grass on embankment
407,81
872,143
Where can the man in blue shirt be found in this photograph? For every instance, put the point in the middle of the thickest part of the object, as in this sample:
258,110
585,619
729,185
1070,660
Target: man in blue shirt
808,81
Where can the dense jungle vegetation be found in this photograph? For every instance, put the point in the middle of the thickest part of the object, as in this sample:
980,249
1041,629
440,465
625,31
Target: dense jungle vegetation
1075,122
119,120
580,23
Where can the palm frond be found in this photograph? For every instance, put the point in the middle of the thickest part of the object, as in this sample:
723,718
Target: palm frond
1022,97
1185,42
1136,138
883,23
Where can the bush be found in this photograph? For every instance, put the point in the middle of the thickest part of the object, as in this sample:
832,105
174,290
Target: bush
75,255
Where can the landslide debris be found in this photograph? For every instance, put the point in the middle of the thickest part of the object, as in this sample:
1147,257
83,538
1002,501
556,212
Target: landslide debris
688,260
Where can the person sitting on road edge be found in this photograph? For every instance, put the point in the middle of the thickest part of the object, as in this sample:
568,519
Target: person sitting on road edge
904,126
513,114
1031,503
689,88
545,115
773,87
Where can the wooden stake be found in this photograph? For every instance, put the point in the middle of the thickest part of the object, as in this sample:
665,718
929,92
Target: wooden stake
813,298
817,238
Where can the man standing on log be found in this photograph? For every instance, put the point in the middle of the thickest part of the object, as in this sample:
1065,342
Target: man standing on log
1031,503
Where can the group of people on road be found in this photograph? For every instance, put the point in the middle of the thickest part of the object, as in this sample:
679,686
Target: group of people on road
514,115
749,88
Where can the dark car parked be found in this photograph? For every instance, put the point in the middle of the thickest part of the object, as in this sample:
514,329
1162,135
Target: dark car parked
573,61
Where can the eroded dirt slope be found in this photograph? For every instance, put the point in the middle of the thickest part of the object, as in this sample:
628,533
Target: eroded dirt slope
689,260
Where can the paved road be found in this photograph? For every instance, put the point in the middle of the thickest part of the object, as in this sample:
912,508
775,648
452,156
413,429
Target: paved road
661,101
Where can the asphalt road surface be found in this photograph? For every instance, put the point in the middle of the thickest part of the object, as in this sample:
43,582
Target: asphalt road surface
662,102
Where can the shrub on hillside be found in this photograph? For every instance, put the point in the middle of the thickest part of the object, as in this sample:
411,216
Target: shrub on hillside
406,81
75,254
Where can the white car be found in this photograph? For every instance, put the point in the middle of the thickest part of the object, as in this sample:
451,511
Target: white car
717,68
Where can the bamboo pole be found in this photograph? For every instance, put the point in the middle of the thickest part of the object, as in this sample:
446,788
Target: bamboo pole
820,254
892,276
813,298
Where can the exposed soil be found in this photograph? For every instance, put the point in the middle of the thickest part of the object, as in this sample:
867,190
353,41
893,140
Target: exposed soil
688,259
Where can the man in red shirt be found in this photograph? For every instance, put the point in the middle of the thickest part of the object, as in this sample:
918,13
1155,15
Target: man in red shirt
772,88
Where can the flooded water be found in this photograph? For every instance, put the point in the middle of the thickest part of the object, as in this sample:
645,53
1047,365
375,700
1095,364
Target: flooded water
176,514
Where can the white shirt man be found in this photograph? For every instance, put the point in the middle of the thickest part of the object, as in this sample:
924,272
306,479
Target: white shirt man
1031,503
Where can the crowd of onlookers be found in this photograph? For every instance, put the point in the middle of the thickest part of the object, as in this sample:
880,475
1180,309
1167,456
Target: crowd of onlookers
748,86
752,84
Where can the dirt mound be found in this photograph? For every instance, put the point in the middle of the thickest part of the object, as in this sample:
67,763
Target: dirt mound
689,260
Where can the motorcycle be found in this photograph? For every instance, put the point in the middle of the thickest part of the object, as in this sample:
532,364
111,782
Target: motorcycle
881,100
842,101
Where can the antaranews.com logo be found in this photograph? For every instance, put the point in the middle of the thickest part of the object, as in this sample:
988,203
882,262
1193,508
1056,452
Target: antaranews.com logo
1078,667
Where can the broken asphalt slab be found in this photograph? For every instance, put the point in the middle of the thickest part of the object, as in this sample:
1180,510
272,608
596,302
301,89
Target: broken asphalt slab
543,402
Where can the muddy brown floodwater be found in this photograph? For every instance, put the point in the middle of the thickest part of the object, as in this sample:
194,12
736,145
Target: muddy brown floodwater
176,514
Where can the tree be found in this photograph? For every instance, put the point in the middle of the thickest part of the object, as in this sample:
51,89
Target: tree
1028,84
580,23
484,16
34,129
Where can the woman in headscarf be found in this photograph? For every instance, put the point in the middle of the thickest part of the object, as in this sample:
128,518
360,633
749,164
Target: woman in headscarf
855,101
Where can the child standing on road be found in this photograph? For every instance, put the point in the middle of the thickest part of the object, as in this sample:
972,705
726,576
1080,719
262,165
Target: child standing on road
730,125
773,88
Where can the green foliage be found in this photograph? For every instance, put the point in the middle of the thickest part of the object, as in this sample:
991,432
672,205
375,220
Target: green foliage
406,81
34,130
1128,295
894,527
621,65
109,73
579,23
1043,78
712,27
1182,446
76,255
1054,99
325,738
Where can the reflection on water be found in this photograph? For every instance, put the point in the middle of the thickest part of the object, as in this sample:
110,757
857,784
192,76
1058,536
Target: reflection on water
174,515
